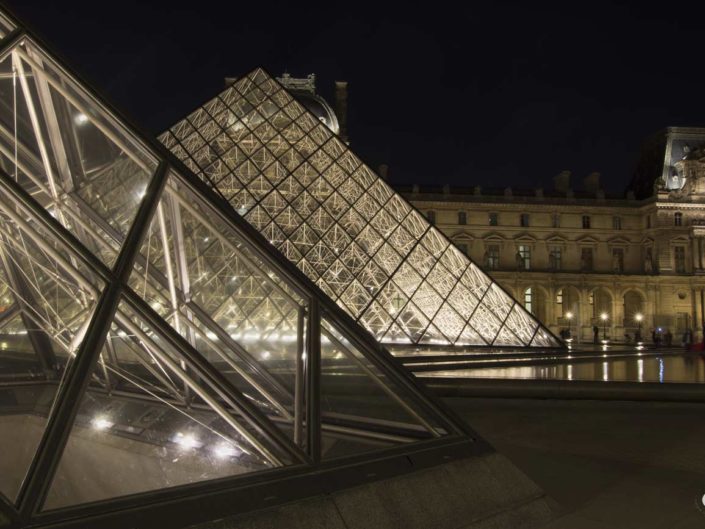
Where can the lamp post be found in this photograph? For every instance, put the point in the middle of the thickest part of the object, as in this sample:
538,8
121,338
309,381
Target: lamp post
604,317
638,317
569,316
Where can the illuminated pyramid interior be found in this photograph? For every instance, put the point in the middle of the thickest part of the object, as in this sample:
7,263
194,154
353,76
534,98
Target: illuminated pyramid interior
149,338
342,225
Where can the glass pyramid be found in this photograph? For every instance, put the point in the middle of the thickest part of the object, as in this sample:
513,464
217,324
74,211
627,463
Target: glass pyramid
342,225
150,340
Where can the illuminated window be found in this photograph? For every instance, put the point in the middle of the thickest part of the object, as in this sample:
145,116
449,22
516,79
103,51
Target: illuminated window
528,298
493,219
586,222
559,296
678,218
525,255
462,218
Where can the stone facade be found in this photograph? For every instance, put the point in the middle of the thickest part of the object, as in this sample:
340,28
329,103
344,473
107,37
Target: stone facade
578,259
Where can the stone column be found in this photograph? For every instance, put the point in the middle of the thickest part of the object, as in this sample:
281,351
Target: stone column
696,253
700,253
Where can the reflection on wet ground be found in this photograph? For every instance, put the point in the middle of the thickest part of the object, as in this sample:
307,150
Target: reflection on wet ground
607,364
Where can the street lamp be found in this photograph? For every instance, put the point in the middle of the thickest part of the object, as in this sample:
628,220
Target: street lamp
638,317
569,316
604,317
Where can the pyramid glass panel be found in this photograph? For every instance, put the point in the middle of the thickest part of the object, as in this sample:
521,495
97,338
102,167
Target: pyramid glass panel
361,402
152,440
208,282
72,158
47,297
330,206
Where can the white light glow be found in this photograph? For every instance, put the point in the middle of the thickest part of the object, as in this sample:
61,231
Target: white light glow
225,450
80,119
187,441
102,423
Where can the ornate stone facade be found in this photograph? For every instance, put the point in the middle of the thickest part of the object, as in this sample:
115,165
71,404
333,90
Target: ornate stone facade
579,259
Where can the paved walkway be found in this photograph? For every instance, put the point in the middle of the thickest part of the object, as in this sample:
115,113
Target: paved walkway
609,465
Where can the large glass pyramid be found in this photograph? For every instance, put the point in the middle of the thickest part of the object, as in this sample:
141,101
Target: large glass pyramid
150,340
342,225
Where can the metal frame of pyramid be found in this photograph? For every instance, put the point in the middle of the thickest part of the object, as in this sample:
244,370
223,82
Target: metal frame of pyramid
364,245
157,355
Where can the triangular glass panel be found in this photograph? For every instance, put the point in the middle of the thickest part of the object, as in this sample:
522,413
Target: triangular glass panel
73,158
363,408
211,286
136,432
351,199
47,298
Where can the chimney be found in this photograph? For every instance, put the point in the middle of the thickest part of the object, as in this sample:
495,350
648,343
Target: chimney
561,182
383,171
341,108
592,182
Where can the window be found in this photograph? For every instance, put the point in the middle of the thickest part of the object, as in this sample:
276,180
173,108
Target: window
591,298
462,217
586,259
617,223
618,260
493,219
523,257
554,258
559,296
586,222
524,220
679,258
492,257
528,298
462,247
556,220
431,216
678,218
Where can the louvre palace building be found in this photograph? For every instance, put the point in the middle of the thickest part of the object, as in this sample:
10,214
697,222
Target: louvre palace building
577,257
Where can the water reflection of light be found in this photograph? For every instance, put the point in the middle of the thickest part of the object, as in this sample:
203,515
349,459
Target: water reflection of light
660,369
605,372
570,371
640,368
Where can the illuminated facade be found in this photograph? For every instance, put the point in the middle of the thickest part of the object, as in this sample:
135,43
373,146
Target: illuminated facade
299,184
625,263
151,339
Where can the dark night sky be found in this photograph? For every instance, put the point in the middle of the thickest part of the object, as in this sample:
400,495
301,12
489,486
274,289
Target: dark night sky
497,94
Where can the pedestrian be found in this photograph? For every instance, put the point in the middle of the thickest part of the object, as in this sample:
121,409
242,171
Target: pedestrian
595,334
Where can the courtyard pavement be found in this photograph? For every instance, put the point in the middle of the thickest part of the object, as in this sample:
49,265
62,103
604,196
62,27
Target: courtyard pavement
607,464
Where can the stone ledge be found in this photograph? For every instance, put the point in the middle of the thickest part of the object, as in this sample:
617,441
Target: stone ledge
483,492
